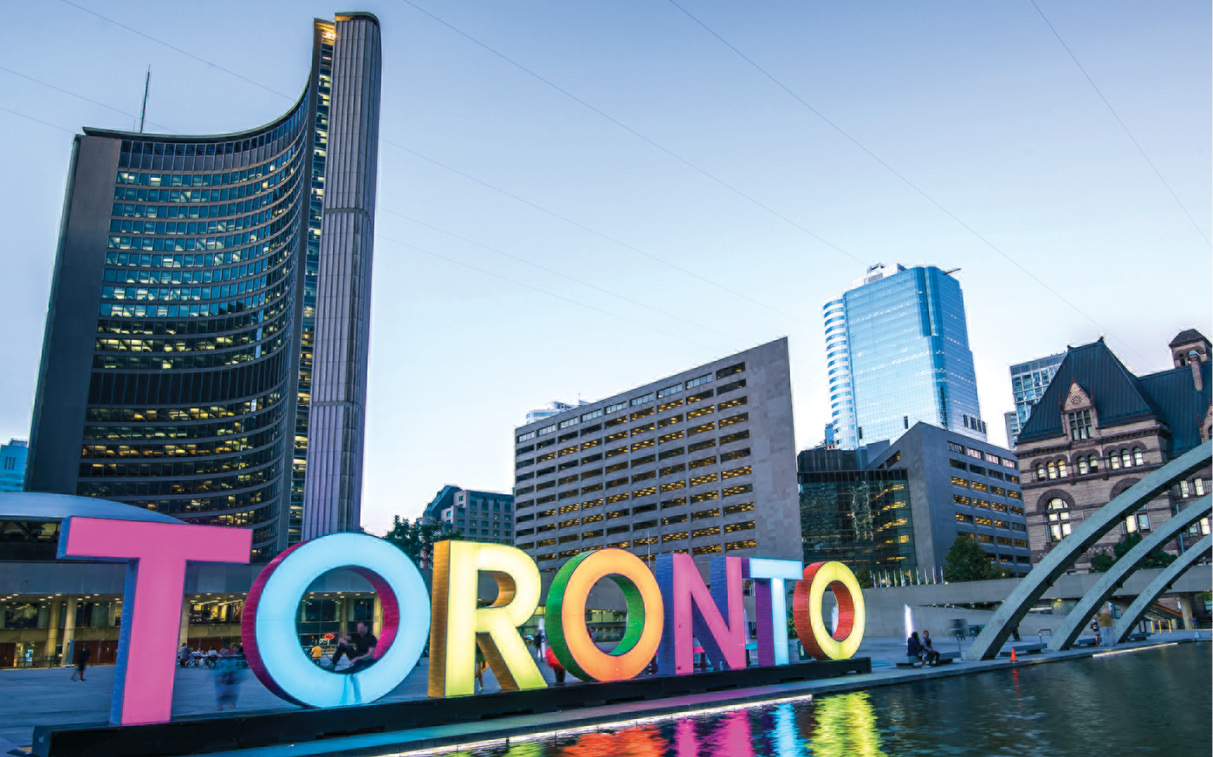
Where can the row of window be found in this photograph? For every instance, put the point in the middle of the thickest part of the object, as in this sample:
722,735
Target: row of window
977,454
1123,458
634,402
980,520
665,506
648,539
972,468
961,499
983,487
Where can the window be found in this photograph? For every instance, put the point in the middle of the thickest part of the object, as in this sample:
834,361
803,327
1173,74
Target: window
732,403
680,535
1183,489
700,429
974,453
669,421
682,518
1139,457
730,386
1061,468
735,527
615,407
954,447
642,413
667,438
730,438
1137,522
714,512
1199,486
707,549
1040,472
705,444
730,370
1080,425
730,491
644,398
742,471
704,410
745,544
962,518
675,389
1052,468
592,415
740,507
1082,466
668,405
699,380
739,418
570,422
1059,519
1113,460
957,481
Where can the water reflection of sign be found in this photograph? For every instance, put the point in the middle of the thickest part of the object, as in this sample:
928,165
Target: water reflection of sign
667,610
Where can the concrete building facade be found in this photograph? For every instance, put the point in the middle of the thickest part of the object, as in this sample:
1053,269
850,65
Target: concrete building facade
480,516
701,462
206,337
1098,429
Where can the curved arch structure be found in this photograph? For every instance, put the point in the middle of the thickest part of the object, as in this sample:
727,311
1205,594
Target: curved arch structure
1103,589
1033,586
1124,626
192,325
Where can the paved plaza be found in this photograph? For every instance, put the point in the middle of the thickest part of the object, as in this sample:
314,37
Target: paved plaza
49,696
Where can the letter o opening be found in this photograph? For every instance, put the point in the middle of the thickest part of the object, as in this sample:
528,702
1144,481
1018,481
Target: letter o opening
271,643
807,615
565,610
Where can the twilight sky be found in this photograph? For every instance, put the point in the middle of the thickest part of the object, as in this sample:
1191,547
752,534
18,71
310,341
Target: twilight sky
645,199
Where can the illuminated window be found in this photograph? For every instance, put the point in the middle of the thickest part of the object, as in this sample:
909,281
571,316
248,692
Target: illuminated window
591,534
730,491
1082,465
573,522
1040,472
735,527
985,538
648,490
705,410
617,466
1058,518
705,478
644,476
669,421
730,438
674,537
644,429
673,502
962,518
700,532
702,462
1113,460
740,507
979,520
731,386
739,418
645,540
733,473
732,403
979,486
620,545
705,550
668,405
592,518
547,513
591,488
616,498
960,499
672,469
545,543
549,556
674,519
616,451
730,370
667,454
745,544
616,514
642,413
700,429
616,483
705,444
667,438
956,481
1061,469
1139,457
673,485
714,512
1080,425
643,445
736,454
704,497
1126,459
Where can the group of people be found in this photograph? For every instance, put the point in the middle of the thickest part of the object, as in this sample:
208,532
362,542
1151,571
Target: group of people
211,657
358,648
922,648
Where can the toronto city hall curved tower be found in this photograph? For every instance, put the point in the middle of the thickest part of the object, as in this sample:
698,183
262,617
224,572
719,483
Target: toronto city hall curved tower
206,340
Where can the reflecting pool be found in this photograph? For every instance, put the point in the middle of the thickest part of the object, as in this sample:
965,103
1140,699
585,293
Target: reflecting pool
1147,702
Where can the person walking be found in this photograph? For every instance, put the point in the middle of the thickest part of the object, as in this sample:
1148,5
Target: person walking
554,664
82,655
183,655
227,681
538,641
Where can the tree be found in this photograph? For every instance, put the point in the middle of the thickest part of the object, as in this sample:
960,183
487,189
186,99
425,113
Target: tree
1102,561
864,577
417,539
967,561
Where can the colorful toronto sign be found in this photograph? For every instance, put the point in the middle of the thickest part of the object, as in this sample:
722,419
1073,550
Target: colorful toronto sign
669,610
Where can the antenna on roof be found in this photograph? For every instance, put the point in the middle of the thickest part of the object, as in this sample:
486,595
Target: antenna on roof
950,272
147,86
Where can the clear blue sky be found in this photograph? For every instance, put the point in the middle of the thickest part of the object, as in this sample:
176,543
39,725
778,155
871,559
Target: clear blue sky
977,104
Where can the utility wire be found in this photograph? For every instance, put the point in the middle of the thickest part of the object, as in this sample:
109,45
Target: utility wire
591,230
586,228
78,96
574,279
186,53
1124,127
36,120
919,190
548,292
633,132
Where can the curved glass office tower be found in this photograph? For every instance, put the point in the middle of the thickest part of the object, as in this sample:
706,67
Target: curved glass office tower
206,340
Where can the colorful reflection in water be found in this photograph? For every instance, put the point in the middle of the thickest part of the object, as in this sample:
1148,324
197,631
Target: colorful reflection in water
1156,701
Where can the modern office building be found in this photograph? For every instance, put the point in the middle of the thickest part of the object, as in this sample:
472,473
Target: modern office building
206,340
902,505
13,457
1099,429
853,514
480,516
702,462
897,352
1028,382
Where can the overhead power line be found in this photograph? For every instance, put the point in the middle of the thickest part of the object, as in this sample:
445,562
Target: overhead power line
1120,121
902,177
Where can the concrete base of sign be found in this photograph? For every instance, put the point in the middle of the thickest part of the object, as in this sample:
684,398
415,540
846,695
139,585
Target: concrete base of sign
202,735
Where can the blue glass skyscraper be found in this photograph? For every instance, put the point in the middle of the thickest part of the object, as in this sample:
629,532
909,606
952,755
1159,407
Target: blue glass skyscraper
897,352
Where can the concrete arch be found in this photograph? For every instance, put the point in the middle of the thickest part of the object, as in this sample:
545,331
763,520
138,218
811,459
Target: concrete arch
1103,589
1123,485
1124,626
1042,502
1084,535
